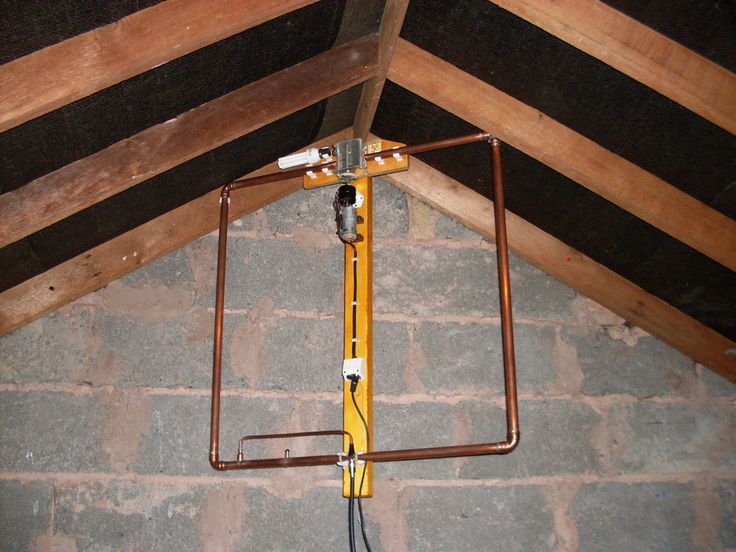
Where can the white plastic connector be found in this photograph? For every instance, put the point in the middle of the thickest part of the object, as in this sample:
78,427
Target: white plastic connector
308,157
353,367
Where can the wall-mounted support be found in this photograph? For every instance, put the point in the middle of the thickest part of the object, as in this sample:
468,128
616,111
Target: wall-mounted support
324,174
359,288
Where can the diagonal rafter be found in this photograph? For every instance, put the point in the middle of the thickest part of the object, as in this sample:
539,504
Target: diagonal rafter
391,22
569,153
113,259
85,182
572,267
660,63
60,74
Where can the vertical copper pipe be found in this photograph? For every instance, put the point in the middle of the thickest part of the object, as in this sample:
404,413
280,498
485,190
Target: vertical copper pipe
219,315
504,290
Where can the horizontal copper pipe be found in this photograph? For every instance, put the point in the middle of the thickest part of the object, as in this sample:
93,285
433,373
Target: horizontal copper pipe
405,150
435,145
453,451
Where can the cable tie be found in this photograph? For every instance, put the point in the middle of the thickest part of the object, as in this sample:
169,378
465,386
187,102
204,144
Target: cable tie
344,459
354,340
354,303
355,259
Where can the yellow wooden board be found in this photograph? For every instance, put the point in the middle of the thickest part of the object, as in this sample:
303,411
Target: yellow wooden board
364,335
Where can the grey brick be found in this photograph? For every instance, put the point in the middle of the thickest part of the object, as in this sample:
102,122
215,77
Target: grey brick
646,516
280,270
553,440
478,518
717,385
313,522
390,346
447,228
128,516
664,438
177,438
648,368
25,513
304,355
536,294
413,425
468,357
306,208
165,353
420,280
169,270
727,530
50,432
390,211
47,349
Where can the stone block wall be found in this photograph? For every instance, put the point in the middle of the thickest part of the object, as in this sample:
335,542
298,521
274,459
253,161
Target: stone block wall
104,405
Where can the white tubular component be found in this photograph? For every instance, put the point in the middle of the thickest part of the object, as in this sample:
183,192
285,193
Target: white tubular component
308,157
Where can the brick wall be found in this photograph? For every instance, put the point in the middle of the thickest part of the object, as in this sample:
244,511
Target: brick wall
104,405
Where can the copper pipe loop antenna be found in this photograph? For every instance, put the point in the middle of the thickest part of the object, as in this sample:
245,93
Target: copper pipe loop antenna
509,364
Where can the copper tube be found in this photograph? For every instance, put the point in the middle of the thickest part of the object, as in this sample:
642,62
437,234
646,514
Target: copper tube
339,432
219,315
435,145
405,150
512,412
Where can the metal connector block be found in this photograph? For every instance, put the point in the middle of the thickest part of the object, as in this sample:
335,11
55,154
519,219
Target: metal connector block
350,157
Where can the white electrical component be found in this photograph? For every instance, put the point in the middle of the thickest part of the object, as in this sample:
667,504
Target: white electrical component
352,367
308,157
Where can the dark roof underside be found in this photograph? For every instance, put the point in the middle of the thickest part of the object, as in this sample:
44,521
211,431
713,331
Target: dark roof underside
582,93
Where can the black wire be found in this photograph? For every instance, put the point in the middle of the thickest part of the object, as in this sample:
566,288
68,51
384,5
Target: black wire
362,477
354,260
351,510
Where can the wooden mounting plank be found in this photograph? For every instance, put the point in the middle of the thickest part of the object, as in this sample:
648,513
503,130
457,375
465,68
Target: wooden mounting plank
662,64
60,74
572,268
85,182
569,153
391,22
113,259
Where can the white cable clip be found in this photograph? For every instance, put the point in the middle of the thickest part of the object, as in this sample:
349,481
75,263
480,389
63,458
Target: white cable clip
378,159
397,156
311,175
343,459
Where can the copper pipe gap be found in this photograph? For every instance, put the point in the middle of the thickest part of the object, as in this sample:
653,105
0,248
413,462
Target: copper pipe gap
339,432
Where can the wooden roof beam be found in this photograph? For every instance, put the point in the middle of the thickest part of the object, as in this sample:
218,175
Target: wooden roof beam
125,253
75,68
569,153
662,64
131,161
572,268
391,22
